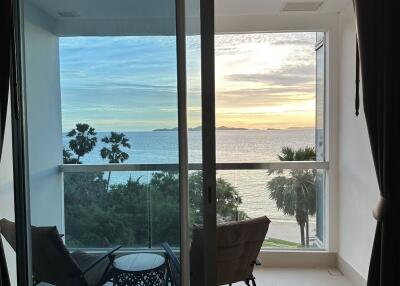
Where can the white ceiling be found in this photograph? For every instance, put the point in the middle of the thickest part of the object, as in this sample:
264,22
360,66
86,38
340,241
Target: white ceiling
136,9
107,9
157,17
261,7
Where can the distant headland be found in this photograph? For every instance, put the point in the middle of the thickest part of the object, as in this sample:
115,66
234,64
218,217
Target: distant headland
198,128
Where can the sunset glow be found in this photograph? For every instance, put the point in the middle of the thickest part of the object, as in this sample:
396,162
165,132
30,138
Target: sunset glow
263,80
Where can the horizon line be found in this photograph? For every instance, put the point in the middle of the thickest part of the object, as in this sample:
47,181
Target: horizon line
196,128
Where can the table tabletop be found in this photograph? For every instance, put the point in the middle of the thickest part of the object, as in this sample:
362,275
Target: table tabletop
139,262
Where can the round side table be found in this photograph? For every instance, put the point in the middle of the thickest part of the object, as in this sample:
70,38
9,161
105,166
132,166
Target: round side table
139,269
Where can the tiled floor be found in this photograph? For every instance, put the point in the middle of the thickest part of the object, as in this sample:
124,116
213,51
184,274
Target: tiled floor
299,277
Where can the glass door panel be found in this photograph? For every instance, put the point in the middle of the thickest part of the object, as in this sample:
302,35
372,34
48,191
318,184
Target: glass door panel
320,135
102,112
270,110
104,91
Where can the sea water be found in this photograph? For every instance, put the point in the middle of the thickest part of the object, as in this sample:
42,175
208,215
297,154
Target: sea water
232,146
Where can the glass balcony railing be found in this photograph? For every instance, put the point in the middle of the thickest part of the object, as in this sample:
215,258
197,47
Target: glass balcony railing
135,209
292,199
137,205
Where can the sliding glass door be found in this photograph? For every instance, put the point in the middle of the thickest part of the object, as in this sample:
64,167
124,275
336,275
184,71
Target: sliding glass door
144,128
209,160
270,133
113,102
119,127
201,144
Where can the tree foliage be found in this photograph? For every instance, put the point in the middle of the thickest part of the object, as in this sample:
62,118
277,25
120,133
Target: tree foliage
227,204
134,213
301,154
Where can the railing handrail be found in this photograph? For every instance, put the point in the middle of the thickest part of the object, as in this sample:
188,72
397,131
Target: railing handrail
278,165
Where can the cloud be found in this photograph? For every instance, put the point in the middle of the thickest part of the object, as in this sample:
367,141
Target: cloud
281,84
131,82
280,79
286,75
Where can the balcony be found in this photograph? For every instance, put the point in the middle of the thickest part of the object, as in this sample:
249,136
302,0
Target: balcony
340,226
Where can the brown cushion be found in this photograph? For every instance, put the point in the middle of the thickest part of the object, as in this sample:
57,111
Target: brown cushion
238,245
51,260
7,229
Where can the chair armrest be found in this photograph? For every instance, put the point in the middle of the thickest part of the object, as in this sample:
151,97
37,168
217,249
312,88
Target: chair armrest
171,256
109,255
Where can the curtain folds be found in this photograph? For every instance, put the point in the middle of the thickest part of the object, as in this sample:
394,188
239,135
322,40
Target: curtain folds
378,30
5,40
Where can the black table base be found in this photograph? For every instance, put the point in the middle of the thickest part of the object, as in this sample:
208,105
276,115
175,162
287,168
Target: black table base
154,277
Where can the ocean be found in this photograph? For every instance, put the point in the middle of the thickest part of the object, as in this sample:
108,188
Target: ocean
232,146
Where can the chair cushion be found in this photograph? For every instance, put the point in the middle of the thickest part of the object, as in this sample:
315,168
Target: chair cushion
238,245
51,260
7,229
95,275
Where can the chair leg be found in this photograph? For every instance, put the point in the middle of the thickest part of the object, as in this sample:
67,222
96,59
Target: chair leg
247,282
253,281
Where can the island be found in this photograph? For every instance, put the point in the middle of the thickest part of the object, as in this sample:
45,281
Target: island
198,128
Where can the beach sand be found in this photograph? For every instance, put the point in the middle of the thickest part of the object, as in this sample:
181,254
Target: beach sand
287,230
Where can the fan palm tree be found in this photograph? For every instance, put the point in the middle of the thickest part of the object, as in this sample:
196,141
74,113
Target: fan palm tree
114,154
83,140
294,193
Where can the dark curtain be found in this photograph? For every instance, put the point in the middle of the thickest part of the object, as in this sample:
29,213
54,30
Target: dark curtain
5,40
378,32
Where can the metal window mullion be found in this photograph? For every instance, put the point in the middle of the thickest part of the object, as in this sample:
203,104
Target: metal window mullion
208,140
19,149
182,139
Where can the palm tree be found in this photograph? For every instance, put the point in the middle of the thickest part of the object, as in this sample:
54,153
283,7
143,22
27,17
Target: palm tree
114,154
294,193
84,140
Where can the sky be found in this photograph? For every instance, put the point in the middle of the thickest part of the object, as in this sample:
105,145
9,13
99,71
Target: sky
263,80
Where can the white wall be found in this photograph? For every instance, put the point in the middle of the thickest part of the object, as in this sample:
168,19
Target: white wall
7,194
271,23
43,103
358,189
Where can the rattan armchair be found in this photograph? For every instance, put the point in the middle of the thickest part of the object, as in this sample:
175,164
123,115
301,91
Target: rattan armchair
238,246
